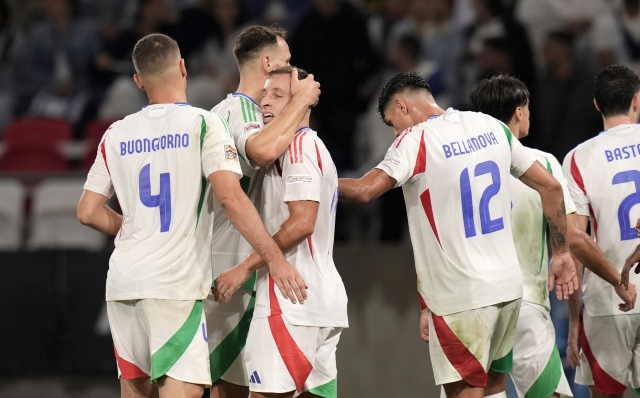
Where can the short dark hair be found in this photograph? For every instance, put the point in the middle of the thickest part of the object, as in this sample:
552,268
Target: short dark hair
614,89
286,70
499,96
153,53
399,83
254,39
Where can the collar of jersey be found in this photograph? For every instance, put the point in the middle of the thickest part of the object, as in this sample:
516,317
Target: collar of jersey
174,103
618,128
305,128
237,94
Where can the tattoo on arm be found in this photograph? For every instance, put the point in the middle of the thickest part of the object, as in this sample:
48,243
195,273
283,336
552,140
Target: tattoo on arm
558,237
563,210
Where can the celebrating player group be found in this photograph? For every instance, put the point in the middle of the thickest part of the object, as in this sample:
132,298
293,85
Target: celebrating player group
223,275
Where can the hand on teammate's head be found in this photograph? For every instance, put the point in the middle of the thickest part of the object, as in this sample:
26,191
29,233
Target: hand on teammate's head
307,89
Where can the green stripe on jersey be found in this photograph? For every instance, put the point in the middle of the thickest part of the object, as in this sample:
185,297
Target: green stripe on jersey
507,132
203,182
546,384
167,356
244,112
328,390
504,364
254,118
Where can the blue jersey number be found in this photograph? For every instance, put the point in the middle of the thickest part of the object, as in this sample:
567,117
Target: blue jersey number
627,232
162,200
486,223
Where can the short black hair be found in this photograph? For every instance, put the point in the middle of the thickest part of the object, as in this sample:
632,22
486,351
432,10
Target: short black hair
399,83
614,89
499,96
153,53
254,39
286,70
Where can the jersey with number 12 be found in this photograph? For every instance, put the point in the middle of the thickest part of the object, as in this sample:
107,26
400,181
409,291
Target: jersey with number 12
455,175
603,175
157,161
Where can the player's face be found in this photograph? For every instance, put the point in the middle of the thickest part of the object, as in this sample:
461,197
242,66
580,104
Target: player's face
397,119
525,121
281,56
276,96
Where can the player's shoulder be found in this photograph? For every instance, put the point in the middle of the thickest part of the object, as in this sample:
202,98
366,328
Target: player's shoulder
541,156
224,105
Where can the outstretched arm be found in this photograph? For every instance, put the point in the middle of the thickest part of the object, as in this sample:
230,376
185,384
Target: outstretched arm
562,270
244,216
94,212
362,190
300,224
264,147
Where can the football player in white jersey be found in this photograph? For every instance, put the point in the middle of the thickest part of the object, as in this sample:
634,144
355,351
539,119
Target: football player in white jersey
603,175
258,50
537,368
291,349
158,161
454,169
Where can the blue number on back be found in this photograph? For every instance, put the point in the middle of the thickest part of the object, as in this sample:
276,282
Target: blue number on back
627,232
162,200
486,223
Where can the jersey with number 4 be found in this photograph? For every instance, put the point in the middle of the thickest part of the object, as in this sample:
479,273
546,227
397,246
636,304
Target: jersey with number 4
604,179
157,161
244,118
454,170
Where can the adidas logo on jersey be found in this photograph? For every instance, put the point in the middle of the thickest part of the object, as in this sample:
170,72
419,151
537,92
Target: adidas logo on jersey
255,379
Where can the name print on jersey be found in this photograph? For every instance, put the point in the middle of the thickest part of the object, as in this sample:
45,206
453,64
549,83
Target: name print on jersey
169,141
622,153
458,148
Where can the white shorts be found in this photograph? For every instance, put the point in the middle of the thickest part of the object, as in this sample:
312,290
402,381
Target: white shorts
281,357
153,338
537,368
465,345
610,355
228,327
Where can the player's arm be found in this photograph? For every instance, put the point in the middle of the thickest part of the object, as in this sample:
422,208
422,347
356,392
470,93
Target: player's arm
364,189
633,259
562,270
300,224
573,353
244,216
94,212
264,147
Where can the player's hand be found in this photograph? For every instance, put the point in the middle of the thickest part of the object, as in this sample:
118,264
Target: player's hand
307,90
424,326
573,353
228,282
638,227
632,261
628,295
562,275
289,281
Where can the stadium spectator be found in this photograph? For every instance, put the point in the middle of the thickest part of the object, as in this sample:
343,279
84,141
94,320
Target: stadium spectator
385,26
566,115
616,35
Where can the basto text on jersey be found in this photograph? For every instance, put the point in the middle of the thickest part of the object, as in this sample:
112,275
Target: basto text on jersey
169,141
622,153
474,144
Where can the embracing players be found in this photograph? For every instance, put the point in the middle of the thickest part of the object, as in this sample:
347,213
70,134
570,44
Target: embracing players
603,175
537,369
158,161
292,348
454,169
258,51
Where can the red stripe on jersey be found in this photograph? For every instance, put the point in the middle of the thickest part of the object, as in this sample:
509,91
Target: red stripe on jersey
297,364
401,137
603,382
310,245
291,151
423,304
128,371
425,198
299,154
278,167
458,354
273,299
575,172
319,158
104,155
421,160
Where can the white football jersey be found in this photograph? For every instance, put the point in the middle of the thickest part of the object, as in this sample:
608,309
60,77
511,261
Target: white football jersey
304,172
157,161
454,172
529,226
229,247
603,174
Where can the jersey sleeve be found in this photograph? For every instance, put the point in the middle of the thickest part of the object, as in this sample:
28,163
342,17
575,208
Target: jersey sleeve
556,171
245,120
575,184
99,178
399,161
301,172
218,151
520,160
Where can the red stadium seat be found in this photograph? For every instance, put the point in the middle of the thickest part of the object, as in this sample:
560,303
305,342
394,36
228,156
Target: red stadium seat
92,136
33,159
41,132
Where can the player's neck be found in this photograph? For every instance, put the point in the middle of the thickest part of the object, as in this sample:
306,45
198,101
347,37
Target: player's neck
515,129
305,120
615,121
252,86
166,96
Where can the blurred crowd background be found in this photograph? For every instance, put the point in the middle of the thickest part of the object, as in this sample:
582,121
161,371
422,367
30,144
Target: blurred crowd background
66,74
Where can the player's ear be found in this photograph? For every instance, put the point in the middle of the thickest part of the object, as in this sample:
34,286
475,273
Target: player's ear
139,82
183,68
518,114
635,103
401,106
596,104
266,63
